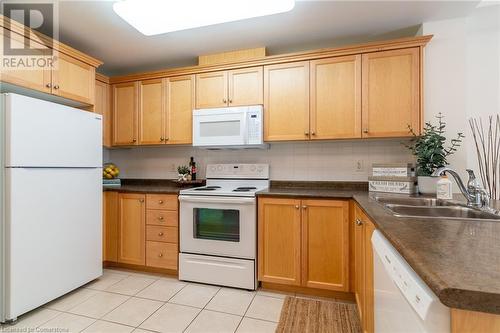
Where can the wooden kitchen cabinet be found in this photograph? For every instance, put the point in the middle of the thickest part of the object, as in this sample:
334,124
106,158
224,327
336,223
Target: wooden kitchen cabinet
179,109
286,101
125,107
110,226
132,224
69,78
363,256
335,85
325,244
391,93
102,106
238,87
304,243
279,228
211,90
73,79
151,112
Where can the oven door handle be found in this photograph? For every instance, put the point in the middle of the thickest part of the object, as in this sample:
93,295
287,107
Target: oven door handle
241,201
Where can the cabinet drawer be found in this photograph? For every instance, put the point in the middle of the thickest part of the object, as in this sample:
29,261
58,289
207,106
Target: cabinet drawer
161,201
167,218
162,234
161,255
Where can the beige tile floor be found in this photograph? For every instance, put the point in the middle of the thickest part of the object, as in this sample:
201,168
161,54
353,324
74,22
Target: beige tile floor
126,301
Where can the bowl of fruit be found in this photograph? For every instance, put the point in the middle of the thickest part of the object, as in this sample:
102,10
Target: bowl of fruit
110,171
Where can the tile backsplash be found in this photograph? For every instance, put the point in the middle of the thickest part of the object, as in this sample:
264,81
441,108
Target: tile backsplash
314,161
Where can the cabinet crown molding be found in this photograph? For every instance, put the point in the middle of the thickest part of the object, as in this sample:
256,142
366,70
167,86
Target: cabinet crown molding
392,44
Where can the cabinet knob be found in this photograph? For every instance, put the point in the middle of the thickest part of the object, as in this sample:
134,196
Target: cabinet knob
313,133
365,130
141,200
230,101
134,140
306,133
162,138
160,218
224,100
160,234
304,207
56,86
48,85
160,255
297,207
160,202
359,222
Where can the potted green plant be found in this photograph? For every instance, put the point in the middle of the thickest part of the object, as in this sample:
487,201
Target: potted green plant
183,173
430,152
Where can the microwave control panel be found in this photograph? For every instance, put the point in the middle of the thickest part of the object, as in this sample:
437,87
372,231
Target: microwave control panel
254,126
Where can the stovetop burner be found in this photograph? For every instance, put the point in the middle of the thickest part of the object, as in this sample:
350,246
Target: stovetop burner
244,189
207,188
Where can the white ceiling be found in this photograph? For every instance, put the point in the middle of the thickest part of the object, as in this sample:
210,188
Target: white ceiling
94,28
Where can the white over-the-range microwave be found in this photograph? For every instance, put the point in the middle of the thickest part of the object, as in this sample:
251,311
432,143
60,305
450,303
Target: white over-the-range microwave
230,127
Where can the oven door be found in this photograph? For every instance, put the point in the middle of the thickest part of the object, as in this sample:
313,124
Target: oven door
219,127
223,226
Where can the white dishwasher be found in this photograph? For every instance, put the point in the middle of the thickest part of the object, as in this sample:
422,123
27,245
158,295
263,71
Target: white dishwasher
403,302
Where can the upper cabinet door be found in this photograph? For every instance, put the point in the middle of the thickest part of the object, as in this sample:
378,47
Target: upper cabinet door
211,90
246,86
325,244
73,79
125,107
180,104
286,101
151,112
391,93
31,79
336,98
102,106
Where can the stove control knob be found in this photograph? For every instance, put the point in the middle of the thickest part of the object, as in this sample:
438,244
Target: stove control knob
213,168
260,168
219,167
253,167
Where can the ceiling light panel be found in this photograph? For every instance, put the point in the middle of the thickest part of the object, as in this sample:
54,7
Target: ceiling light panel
153,17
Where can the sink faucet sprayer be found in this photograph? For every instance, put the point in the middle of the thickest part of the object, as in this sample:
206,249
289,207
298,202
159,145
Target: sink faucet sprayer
476,195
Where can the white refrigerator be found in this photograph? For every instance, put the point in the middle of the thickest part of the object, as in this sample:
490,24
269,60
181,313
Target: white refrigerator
51,202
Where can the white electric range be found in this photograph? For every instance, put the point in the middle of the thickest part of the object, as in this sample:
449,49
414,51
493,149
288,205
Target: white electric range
218,226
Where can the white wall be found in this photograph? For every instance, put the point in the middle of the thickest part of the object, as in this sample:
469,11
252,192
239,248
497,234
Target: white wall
462,73
289,161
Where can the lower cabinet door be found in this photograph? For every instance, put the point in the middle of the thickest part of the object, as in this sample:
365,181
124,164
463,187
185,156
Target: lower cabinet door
279,241
131,237
368,319
325,244
110,226
359,261
161,255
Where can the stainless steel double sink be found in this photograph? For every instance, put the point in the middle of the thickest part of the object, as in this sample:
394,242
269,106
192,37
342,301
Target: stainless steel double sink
433,208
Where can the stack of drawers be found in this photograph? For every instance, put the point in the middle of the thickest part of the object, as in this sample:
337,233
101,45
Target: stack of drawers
162,234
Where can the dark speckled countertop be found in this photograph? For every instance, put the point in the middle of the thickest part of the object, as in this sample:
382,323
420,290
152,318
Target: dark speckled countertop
458,259
163,186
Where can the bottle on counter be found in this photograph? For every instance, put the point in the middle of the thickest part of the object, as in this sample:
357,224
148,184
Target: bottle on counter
444,188
192,166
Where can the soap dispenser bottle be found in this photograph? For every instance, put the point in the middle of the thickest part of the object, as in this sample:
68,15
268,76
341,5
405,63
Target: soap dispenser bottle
444,188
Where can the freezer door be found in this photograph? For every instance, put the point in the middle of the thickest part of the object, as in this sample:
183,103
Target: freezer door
53,234
46,134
